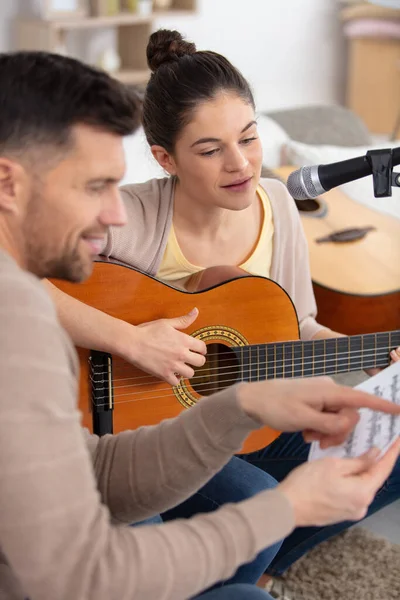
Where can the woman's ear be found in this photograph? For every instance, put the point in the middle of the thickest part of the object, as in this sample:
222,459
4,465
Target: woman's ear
164,159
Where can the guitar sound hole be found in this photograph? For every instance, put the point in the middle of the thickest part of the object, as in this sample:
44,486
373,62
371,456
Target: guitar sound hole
308,205
312,207
220,370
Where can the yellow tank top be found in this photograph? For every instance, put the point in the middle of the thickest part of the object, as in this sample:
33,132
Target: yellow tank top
174,265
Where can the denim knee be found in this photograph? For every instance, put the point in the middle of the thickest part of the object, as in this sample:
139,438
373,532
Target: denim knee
236,592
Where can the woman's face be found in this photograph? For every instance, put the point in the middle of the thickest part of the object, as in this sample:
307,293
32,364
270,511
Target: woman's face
218,155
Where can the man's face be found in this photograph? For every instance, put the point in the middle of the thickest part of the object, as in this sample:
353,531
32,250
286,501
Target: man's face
71,206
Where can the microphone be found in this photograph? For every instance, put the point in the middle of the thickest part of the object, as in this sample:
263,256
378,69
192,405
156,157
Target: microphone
310,182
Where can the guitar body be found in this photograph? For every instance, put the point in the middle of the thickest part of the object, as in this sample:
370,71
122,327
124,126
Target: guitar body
356,283
357,313
244,310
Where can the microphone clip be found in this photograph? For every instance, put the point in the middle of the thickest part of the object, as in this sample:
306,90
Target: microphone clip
381,162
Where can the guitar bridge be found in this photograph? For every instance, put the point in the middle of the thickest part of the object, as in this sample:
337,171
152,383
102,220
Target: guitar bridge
102,393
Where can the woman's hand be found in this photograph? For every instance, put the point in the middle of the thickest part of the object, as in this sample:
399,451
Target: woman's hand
161,349
331,490
394,356
317,406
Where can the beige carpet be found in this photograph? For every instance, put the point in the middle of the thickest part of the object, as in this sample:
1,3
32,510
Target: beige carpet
355,565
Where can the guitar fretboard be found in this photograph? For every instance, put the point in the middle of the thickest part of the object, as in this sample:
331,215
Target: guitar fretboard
317,357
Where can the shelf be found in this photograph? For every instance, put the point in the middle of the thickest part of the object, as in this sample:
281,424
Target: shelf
92,22
156,14
132,36
132,76
111,21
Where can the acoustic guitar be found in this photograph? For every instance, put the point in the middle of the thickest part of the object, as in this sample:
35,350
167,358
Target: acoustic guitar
249,325
354,259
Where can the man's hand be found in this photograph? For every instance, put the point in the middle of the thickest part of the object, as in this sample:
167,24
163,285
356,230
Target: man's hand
317,406
161,349
330,490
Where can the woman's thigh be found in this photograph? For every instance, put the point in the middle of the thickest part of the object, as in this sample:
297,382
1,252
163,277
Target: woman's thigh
237,481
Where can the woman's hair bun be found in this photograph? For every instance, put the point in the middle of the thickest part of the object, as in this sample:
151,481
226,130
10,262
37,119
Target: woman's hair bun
167,46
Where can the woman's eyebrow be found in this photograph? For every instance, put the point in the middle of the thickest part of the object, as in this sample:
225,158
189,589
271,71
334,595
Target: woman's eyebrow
210,139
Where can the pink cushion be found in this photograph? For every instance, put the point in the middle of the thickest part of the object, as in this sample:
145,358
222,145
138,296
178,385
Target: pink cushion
372,28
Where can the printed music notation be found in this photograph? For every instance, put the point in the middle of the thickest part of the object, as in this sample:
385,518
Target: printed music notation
374,429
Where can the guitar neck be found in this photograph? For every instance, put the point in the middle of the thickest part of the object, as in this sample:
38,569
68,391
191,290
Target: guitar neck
316,357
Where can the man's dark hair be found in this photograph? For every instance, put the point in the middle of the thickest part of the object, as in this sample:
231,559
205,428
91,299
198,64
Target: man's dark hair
43,95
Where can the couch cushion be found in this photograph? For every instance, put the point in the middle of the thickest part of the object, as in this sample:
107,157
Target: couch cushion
323,125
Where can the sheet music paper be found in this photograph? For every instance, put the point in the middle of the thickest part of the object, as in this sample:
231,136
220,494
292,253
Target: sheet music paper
374,429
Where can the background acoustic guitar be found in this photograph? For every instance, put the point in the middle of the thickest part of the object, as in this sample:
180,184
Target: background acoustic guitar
248,323
355,262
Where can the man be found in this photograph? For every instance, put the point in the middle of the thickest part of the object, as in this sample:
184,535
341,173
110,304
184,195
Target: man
66,496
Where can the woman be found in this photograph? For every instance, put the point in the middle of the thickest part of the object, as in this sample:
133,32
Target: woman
212,209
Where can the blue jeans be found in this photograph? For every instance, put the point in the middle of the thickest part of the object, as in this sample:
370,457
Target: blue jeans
281,457
235,592
237,481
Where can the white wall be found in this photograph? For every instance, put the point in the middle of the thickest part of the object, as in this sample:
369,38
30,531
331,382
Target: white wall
291,51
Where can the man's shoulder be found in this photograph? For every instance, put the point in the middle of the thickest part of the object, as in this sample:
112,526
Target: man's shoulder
29,326
22,291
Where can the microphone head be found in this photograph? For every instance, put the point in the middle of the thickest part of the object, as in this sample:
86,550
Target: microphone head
304,184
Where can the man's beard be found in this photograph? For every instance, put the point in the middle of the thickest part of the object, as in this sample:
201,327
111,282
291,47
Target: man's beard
44,260
69,265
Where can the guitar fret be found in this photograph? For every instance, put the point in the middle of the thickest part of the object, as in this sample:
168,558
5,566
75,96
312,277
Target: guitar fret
241,363
279,364
313,359
362,349
349,355
293,360
298,353
262,371
337,353
308,359
288,360
383,347
270,361
253,363
246,363
330,359
316,357
342,355
355,353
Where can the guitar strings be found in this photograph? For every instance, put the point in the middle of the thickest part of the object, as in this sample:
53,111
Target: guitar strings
171,393
238,377
317,361
275,365
232,354
308,369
